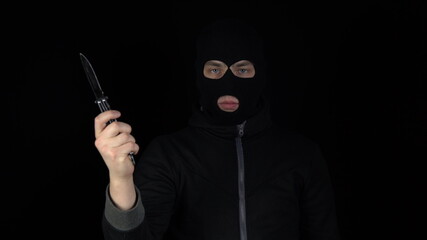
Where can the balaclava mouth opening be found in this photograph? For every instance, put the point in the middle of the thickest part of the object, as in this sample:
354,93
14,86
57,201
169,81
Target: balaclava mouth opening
229,41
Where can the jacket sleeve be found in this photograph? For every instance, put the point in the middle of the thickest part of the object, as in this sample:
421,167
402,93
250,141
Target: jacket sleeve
154,179
319,221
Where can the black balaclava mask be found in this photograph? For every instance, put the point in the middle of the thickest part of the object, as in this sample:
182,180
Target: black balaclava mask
229,41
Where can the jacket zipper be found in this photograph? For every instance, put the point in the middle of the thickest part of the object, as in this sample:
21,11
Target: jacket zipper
241,181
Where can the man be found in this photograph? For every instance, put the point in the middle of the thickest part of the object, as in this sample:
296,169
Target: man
231,173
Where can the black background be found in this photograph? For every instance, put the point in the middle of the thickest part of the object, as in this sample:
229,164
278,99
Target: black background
351,75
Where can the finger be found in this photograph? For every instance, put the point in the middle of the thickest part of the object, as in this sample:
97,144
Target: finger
102,119
125,149
134,148
116,128
118,140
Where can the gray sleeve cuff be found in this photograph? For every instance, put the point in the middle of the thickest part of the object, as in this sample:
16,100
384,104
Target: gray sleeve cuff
124,220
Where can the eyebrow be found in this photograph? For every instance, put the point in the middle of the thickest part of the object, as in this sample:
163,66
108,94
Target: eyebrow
215,64
243,64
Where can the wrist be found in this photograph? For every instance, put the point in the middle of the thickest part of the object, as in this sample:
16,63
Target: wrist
122,193
120,180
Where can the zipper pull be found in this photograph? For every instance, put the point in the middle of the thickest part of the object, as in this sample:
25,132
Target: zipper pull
240,129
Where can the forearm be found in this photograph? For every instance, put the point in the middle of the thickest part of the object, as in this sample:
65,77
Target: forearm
123,224
122,193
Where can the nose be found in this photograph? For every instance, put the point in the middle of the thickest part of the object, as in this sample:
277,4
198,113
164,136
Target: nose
228,82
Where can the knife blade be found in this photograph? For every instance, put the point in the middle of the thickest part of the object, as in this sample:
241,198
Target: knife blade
100,98
91,76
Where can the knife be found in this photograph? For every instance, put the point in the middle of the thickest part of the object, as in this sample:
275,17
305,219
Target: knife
100,97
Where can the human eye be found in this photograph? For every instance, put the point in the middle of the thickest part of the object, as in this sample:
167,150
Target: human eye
215,70
243,70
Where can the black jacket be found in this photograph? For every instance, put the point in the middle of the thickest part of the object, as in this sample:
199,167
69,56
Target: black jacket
191,185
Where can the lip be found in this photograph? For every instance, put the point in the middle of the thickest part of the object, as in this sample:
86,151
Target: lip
229,105
228,102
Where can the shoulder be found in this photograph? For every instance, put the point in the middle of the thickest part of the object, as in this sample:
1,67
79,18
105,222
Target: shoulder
160,150
169,140
307,150
292,137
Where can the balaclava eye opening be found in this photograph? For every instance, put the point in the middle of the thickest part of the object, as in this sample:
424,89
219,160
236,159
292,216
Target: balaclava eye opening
229,41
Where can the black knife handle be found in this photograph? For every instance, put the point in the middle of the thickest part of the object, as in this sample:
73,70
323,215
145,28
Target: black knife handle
104,106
